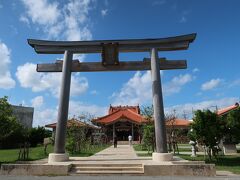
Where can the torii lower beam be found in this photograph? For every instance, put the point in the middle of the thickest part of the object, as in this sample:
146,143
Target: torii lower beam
122,66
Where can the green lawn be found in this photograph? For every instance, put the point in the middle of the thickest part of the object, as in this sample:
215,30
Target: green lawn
11,155
228,163
139,147
36,153
93,149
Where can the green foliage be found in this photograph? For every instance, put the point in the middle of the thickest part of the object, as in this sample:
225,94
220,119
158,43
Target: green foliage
71,145
192,135
37,135
147,112
149,137
208,129
226,163
76,138
12,132
232,126
148,131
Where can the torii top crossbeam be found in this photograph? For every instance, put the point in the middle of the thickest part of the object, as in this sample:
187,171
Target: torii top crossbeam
127,45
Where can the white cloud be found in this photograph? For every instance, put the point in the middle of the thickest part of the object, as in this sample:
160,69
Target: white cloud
37,102
24,20
138,89
184,15
29,78
6,80
77,107
67,22
188,108
43,117
46,116
234,83
195,70
176,84
42,12
94,92
104,12
183,19
213,83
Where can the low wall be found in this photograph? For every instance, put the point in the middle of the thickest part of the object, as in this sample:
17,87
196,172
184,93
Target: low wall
175,169
187,169
34,169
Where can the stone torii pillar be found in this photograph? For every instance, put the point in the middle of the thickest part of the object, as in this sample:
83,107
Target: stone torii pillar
59,146
161,153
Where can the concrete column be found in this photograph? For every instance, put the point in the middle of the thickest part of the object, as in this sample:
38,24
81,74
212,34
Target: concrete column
59,146
159,120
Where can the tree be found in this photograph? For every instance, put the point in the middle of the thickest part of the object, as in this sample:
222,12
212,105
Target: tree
76,138
148,129
232,126
149,137
79,136
171,133
36,135
12,132
208,129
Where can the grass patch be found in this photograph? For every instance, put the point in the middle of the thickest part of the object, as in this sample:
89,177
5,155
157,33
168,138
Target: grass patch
144,154
141,150
185,149
93,149
184,145
181,147
35,153
138,147
228,163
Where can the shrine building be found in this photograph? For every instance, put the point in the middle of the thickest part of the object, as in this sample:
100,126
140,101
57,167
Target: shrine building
121,122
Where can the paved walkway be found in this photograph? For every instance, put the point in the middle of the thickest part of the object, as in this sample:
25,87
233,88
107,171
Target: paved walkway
121,154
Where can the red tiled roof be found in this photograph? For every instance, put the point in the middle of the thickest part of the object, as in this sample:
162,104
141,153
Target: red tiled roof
131,113
72,122
227,109
113,109
179,123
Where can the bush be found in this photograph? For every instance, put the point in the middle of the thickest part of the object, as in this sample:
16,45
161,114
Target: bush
37,135
232,126
149,137
208,129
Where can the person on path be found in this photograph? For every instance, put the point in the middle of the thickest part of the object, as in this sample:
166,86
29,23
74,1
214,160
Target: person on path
130,140
115,141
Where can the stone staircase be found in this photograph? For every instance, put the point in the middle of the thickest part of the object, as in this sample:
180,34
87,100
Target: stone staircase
106,169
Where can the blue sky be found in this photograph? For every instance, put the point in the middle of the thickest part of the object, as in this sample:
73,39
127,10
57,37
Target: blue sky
211,79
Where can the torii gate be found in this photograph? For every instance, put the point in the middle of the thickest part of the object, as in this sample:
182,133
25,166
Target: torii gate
110,50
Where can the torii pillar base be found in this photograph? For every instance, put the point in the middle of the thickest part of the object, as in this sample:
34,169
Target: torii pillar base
58,157
160,157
